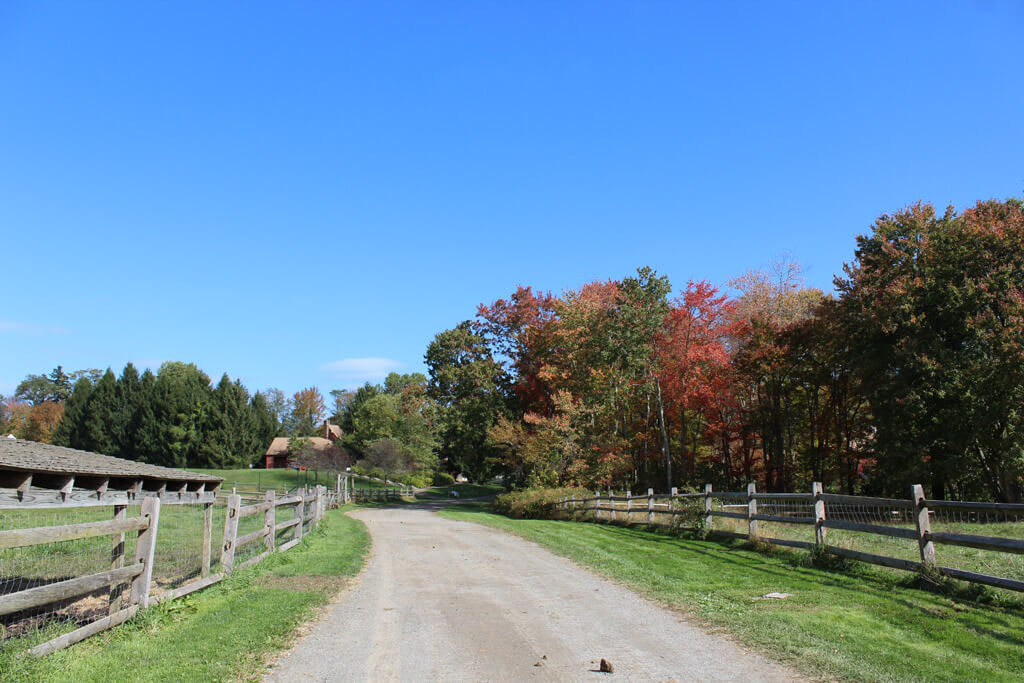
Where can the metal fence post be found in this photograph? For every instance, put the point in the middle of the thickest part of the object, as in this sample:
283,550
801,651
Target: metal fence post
924,526
145,548
820,532
751,510
227,553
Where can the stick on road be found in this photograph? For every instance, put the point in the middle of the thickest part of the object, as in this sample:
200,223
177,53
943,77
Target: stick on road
452,601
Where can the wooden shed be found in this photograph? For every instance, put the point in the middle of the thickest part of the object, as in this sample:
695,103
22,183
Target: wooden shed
39,474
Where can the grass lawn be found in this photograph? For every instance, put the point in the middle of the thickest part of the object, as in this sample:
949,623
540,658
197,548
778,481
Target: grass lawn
223,632
465,490
281,479
857,623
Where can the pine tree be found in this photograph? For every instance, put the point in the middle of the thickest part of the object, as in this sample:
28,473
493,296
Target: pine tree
127,406
144,430
265,424
98,426
69,430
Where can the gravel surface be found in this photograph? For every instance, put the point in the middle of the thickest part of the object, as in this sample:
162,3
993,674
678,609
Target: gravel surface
452,601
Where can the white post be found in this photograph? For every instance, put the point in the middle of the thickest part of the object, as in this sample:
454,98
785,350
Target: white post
650,506
707,507
820,532
629,507
751,510
924,526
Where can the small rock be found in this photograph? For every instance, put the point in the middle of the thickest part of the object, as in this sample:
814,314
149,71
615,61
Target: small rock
539,664
775,596
606,667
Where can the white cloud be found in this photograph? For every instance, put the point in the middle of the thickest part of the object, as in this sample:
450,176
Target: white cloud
32,329
362,369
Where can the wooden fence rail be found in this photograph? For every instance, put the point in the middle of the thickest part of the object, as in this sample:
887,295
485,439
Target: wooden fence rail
830,511
131,584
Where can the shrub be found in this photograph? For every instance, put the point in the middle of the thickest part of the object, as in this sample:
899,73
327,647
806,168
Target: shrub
443,479
533,503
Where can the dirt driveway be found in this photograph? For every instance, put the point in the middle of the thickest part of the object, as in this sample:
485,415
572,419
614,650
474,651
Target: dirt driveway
452,601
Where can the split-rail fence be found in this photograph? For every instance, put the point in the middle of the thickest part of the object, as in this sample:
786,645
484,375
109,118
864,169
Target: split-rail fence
985,539
165,549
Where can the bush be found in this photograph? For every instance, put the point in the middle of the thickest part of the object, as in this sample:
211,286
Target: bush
443,479
420,481
533,503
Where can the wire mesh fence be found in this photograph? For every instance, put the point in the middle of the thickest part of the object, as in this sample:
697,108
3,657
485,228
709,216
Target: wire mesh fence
26,568
66,567
980,542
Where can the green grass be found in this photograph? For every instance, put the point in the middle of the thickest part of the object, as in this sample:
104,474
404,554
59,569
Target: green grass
281,479
465,490
857,623
223,632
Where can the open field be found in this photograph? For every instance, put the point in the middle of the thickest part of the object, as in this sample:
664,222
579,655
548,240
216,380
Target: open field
855,623
222,632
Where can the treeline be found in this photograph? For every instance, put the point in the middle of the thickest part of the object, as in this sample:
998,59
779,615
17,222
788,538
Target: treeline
174,417
913,372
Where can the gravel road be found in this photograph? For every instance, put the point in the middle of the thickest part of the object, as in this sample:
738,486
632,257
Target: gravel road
452,601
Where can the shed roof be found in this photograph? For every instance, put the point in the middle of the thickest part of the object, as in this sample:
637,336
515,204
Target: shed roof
30,456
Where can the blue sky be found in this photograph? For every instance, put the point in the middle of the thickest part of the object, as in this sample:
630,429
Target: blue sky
305,193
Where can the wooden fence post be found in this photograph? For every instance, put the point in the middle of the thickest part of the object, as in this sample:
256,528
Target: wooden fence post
751,510
924,526
629,506
207,538
117,560
707,508
300,512
227,552
145,549
597,505
650,506
820,532
270,520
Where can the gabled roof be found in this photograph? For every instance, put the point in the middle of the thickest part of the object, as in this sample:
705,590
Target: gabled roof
279,446
30,456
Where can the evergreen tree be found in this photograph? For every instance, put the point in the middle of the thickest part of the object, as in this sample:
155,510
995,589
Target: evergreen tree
69,430
61,385
182,396
127,395
265,423
229,428
144,429
97,430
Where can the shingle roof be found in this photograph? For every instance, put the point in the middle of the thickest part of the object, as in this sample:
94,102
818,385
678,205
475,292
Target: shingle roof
30,456
279,446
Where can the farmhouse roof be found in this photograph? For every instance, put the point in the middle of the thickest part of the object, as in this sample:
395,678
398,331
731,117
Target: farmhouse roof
29,456
279,446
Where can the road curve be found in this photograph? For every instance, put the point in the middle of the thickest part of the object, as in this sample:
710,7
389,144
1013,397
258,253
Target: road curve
453,601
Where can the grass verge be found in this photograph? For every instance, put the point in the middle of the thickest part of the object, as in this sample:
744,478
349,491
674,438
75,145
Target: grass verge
224,632
858,623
